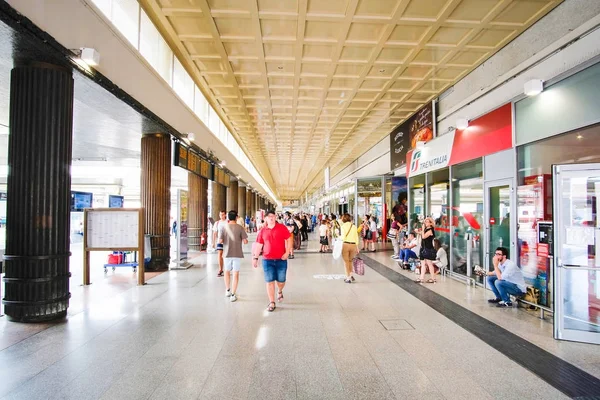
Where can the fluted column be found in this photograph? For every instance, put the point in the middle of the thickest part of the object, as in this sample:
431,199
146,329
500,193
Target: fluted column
232,196
156,196
242,201
38,198
248,202
219,199
197,209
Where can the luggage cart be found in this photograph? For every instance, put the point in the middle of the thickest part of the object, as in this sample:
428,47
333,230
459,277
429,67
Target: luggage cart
119,259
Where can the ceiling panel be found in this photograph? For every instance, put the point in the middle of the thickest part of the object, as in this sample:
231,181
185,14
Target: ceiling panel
322,81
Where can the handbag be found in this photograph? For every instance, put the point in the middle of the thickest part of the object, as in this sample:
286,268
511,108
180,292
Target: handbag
427,254
392,234
338,245
358,266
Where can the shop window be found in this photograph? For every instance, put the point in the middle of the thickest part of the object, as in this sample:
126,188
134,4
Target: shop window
439,197
417,201
466,216
534,193
369,199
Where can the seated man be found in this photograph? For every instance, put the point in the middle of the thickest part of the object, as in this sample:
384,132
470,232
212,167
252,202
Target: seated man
506,279
410,248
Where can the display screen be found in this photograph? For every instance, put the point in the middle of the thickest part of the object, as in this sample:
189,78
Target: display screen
115,201
81,200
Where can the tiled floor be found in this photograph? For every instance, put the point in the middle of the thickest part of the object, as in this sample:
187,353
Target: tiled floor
526,324
179,338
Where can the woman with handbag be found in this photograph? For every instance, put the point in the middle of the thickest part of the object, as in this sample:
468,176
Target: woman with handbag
428,253
350,246
366,233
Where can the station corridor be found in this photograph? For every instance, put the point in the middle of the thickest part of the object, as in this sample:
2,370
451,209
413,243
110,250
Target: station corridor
179,337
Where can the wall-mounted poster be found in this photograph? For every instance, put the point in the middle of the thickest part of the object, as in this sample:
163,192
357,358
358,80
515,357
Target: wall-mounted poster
418,128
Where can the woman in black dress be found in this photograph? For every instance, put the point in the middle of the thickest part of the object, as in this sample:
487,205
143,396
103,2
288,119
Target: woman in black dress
428,252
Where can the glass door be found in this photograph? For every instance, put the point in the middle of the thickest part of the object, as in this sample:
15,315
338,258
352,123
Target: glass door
498,221
577,252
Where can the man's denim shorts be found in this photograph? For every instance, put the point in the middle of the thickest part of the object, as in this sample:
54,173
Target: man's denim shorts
275,270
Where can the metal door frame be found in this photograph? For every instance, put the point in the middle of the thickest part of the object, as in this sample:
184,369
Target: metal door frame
559,331
486,221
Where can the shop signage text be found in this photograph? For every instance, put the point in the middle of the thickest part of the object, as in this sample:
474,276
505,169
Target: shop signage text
486,135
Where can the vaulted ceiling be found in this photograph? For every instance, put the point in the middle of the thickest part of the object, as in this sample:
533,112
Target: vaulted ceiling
306,84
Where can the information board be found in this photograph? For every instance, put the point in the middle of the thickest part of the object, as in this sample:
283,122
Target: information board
222,177
185,158
114,229
108,230
181,156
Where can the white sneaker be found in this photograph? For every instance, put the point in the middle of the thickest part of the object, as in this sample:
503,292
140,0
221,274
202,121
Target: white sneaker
233,297
228,293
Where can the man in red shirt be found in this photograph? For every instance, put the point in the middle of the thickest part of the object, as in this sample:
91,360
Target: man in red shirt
274,240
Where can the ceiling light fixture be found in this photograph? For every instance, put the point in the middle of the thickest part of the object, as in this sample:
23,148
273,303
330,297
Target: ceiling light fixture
533,87
191,136
462,123
89,55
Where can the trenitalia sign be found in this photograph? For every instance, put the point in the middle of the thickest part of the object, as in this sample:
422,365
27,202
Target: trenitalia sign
433,156
486,135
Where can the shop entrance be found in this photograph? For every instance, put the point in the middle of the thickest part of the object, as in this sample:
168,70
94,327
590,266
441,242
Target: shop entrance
577,252
499,220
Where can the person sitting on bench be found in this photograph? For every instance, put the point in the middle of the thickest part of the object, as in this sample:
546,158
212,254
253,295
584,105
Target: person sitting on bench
410,249
506,279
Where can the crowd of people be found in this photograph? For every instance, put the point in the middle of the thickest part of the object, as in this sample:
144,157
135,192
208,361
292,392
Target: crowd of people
280,235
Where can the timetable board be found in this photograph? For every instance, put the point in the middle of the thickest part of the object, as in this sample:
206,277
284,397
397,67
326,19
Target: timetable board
112,229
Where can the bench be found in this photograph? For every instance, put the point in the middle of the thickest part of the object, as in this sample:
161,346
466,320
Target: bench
543,309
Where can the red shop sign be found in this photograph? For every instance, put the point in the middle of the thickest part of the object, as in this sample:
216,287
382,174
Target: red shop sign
488,134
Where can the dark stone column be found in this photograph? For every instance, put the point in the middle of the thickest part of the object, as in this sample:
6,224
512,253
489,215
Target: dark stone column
219,199
232,196
197,209
249,202
156,196
39,193
242,201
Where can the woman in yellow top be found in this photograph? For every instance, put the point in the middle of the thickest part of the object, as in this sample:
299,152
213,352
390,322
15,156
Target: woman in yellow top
350,248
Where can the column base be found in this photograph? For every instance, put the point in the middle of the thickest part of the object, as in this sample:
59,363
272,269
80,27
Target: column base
42,318
158,265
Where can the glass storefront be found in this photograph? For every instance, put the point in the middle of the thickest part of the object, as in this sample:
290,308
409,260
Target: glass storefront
535,201
369,192
439,203
417,201
454,199
467,216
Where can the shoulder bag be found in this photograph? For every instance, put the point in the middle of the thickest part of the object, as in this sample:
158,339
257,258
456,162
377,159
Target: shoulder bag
339,244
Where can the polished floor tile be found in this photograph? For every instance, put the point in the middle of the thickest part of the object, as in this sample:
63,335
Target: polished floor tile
180,338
